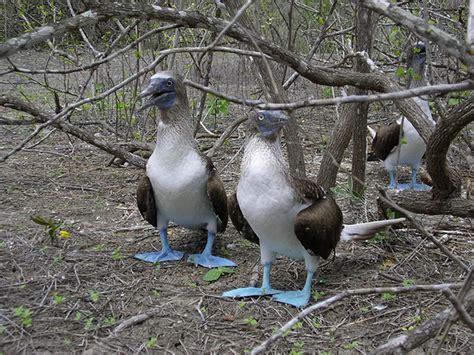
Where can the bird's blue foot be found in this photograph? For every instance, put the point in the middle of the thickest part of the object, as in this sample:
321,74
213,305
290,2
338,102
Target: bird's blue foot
209,261
250,291
295,298
421,187
160,256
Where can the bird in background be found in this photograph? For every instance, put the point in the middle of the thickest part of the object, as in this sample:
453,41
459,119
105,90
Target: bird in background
408,150
290,216
181,184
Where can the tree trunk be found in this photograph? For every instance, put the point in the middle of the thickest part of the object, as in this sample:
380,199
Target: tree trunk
293,142
366,21
447,181
337,144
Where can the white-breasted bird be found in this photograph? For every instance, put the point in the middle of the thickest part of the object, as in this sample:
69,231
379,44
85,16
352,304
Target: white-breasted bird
386,143
290,216
181,184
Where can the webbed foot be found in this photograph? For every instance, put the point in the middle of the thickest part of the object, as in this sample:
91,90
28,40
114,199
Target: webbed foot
209,261
250,291
295,298
160,256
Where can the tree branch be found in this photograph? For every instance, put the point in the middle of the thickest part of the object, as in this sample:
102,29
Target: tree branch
446,181
112,148
355,292
422,230
422,28
31,39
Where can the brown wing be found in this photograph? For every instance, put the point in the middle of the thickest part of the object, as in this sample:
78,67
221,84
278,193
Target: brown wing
307,189
385,140
146,201
318,227
217,195
239,221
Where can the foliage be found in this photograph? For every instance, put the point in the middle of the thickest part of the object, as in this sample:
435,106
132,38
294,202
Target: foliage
216,273
24,313
52,228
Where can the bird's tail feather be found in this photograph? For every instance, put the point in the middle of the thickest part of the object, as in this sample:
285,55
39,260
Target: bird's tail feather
372,132
363,231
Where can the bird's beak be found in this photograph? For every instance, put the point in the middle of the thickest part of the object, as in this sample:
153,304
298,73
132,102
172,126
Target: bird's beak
150,89
281,118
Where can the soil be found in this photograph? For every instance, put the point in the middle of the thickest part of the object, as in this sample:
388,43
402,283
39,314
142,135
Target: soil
83,291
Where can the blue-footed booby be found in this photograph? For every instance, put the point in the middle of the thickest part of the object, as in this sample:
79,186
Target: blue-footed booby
291,216
386,142
181,184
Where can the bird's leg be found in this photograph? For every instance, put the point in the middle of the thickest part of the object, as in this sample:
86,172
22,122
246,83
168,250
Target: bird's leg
165,254
206,258
393,181
266,289
297,298
415,185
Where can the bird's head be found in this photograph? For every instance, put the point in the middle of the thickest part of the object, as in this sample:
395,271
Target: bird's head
417,55
269,122
164,91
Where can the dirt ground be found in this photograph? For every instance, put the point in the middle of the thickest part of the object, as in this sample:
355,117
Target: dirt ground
78,295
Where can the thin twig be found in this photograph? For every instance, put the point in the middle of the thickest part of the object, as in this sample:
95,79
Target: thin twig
419,227
360,291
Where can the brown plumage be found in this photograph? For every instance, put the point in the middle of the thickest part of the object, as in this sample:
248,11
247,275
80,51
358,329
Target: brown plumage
386,140
217,195
239,221
318,226
146,201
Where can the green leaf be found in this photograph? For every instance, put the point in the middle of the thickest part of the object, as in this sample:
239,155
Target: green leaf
400,72
212,275
453,101
40,220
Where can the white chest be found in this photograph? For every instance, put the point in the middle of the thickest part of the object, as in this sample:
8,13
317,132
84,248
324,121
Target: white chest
178,176
268,203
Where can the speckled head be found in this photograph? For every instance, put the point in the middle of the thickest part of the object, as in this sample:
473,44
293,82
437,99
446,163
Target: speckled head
269,122
166,89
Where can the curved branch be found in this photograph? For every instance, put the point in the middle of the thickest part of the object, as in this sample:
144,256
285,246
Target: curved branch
446,181
112,148
44,33
421,27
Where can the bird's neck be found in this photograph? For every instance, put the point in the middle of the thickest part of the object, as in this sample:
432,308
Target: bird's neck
264,155
176,122
417,77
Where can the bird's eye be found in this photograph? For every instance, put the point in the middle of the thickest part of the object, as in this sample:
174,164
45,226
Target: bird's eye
169,83
260,117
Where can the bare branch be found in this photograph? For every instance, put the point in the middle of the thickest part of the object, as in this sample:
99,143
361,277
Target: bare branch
441,88
112,148
422,230
421,27
463,315
31,39
355,292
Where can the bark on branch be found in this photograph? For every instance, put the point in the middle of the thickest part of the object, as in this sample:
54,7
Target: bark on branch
112,148
446,181
421,27
421,202
31,39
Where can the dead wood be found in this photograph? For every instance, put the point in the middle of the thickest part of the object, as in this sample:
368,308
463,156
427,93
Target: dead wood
446,180
430,328
112,148
419,227
422,202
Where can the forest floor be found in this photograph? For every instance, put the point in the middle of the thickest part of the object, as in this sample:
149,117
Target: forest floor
78,295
